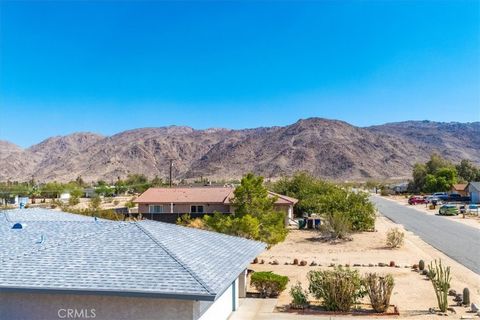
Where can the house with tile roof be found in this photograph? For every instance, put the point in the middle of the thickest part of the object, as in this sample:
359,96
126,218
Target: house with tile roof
168,204
52,268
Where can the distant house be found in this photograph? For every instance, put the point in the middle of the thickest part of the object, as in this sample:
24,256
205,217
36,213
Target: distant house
460,188
119,270
474,191
65,196
168,204
400,187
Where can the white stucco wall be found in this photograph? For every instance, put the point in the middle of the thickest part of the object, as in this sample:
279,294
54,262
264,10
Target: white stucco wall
222,307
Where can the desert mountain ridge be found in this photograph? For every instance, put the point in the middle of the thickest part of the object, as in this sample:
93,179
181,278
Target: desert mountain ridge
331,149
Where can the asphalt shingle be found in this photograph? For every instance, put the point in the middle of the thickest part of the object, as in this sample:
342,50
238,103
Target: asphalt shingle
133,258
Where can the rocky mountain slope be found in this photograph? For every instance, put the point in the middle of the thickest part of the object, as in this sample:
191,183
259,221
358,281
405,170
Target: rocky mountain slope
327,148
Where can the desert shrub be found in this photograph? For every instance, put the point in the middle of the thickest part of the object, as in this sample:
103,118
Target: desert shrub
336,226
269,284
187,221
95,203
395,238
299,296
440,277
385,192
379,290
74,200
116,202
339,288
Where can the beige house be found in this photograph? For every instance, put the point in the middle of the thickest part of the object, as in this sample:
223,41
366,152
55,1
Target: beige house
168,204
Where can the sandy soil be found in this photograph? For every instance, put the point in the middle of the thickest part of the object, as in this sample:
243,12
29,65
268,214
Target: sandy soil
472,220
413,294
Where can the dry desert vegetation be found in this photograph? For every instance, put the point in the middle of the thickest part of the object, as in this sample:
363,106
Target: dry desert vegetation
413,293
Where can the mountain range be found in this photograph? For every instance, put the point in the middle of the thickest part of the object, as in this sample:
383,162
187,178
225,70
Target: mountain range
330,149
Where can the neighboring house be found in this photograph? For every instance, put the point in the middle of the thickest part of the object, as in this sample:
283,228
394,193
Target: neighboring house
460,188
474,191
119,270
168,204
89,192
65,196
400,187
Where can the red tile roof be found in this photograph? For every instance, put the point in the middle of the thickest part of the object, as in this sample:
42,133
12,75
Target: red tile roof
198,195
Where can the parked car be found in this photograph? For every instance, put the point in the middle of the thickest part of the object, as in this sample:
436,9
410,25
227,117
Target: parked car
456,197
448,210
432,199
441,195
416,200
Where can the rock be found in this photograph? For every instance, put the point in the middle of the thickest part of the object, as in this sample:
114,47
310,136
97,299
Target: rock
452,292
275,262
407,266
431,310
356,265
370,264
452,310
313,264
458,297
466,317
303,263
474,307
381,264
286,263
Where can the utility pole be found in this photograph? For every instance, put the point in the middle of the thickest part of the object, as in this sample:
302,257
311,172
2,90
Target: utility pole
171,168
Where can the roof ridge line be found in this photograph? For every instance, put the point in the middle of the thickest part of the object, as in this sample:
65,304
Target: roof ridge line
176,258
60,243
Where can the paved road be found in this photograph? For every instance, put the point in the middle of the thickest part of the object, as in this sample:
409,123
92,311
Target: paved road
458,241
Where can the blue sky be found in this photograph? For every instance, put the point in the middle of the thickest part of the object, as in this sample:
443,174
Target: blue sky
110,66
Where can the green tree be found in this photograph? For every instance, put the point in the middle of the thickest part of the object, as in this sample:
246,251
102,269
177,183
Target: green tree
254,217
467,171
251,197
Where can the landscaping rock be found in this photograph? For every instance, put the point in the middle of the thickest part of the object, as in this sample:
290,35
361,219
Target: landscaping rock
275,262
452,292
431,310
286,263
356,265
370,264
313,264
458,297
381,264
295,261
303,263
474,307
392,263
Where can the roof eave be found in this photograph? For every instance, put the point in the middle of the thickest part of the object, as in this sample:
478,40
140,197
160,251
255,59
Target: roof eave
103,292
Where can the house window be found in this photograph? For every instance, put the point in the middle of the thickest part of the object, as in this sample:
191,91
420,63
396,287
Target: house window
196,209
155,209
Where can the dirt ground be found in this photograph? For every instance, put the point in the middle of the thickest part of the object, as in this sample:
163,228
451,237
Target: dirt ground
472,220
413,294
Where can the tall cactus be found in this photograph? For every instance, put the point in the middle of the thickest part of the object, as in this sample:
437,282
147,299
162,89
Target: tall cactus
441,283
466,296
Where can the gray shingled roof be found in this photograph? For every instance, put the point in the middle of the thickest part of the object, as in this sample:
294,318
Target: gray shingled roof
128,258
40,214
475,185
